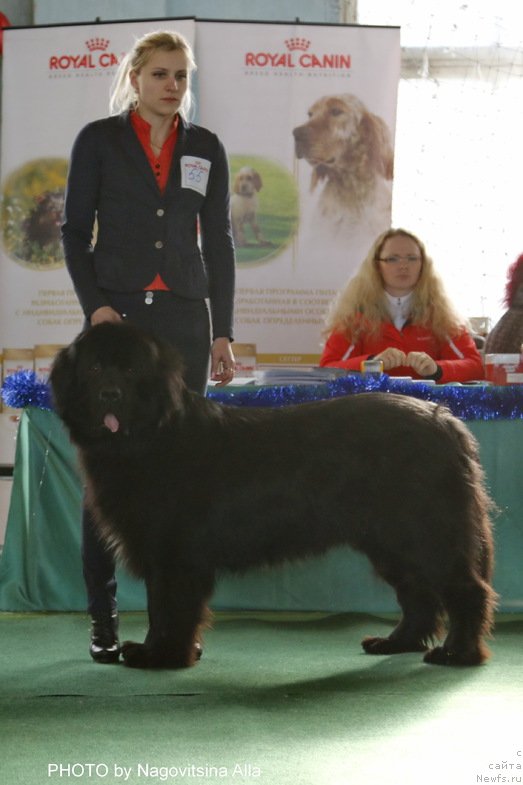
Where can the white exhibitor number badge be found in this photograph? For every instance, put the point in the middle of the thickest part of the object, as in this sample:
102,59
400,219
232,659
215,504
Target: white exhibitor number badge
195,173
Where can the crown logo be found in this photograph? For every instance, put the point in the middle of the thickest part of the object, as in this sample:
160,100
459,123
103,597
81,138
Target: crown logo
297,43
94,44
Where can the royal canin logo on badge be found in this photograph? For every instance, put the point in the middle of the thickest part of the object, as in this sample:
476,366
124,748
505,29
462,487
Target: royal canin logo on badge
297,56
96,56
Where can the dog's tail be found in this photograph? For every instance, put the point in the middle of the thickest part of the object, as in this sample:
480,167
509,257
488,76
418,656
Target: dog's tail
481,507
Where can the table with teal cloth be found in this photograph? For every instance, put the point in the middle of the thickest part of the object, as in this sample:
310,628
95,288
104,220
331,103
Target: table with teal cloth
40,567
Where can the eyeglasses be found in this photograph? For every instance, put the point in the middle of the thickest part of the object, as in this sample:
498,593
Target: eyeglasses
410,259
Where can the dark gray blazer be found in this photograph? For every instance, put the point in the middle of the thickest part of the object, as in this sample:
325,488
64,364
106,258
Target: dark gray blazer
141,232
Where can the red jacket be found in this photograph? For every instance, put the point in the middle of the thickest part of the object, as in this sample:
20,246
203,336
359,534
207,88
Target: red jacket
458,358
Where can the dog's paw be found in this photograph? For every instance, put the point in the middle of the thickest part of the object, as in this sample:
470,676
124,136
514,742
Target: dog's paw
135,655
374,645
140,655
440,655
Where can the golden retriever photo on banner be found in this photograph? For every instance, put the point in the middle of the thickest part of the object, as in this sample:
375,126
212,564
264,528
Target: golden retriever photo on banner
350,151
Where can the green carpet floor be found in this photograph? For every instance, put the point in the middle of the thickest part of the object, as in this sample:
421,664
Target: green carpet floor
278,699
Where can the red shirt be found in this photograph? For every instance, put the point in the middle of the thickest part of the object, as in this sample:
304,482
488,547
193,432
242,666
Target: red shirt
161,164
458,357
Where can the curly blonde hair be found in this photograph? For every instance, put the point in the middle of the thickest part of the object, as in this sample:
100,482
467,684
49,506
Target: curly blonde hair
361,307
123,96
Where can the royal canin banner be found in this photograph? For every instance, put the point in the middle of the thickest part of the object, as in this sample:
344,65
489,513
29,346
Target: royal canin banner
55,80
307,115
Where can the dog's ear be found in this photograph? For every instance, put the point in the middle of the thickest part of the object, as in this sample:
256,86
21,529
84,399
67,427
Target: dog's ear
62,377
236,185
377,134
257,180
319,173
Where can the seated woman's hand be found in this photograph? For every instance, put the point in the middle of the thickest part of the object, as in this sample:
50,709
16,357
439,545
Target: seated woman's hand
391,358
422,363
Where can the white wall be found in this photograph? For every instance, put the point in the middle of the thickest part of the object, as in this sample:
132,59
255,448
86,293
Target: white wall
58,11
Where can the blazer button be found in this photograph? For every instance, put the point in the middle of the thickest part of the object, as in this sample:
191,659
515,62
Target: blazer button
158,244
160,212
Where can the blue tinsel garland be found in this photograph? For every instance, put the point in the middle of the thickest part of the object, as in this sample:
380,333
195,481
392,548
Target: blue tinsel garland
24,388
478,402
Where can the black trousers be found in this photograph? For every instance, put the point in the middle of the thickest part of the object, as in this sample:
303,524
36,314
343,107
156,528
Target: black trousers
185,324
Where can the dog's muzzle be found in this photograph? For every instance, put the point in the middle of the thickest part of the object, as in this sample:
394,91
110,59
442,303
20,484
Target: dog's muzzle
110,394
301,140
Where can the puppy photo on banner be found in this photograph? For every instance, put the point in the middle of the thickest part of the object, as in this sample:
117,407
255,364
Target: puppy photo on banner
244,206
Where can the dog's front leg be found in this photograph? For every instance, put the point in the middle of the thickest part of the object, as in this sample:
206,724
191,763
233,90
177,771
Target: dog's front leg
256,231
176,607
239,235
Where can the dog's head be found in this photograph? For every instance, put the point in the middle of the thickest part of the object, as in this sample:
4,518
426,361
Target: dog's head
340,133
114,382
247,181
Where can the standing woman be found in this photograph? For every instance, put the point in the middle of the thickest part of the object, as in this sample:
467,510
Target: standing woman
395,309
153,189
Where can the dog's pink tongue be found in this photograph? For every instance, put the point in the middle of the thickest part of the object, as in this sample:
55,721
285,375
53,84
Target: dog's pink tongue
111,422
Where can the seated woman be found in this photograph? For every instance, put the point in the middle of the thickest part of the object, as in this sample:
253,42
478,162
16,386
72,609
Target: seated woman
507,335
395,309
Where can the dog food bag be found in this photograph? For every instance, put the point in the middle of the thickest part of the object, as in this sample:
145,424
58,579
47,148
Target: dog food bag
16,360
501,369
371,367
44,355
517,376
245,356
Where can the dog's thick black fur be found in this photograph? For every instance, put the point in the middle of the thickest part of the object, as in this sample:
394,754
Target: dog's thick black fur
185,488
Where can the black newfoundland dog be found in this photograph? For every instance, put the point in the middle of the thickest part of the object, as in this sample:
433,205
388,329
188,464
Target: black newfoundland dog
184,488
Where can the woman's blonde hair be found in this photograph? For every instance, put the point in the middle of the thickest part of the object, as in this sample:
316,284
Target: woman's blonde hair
361,306
123,95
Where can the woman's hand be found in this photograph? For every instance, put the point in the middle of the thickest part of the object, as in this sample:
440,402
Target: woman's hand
422,363
391,358
104,314
222,362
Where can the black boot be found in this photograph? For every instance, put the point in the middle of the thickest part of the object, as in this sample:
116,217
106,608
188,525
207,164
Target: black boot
104,646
